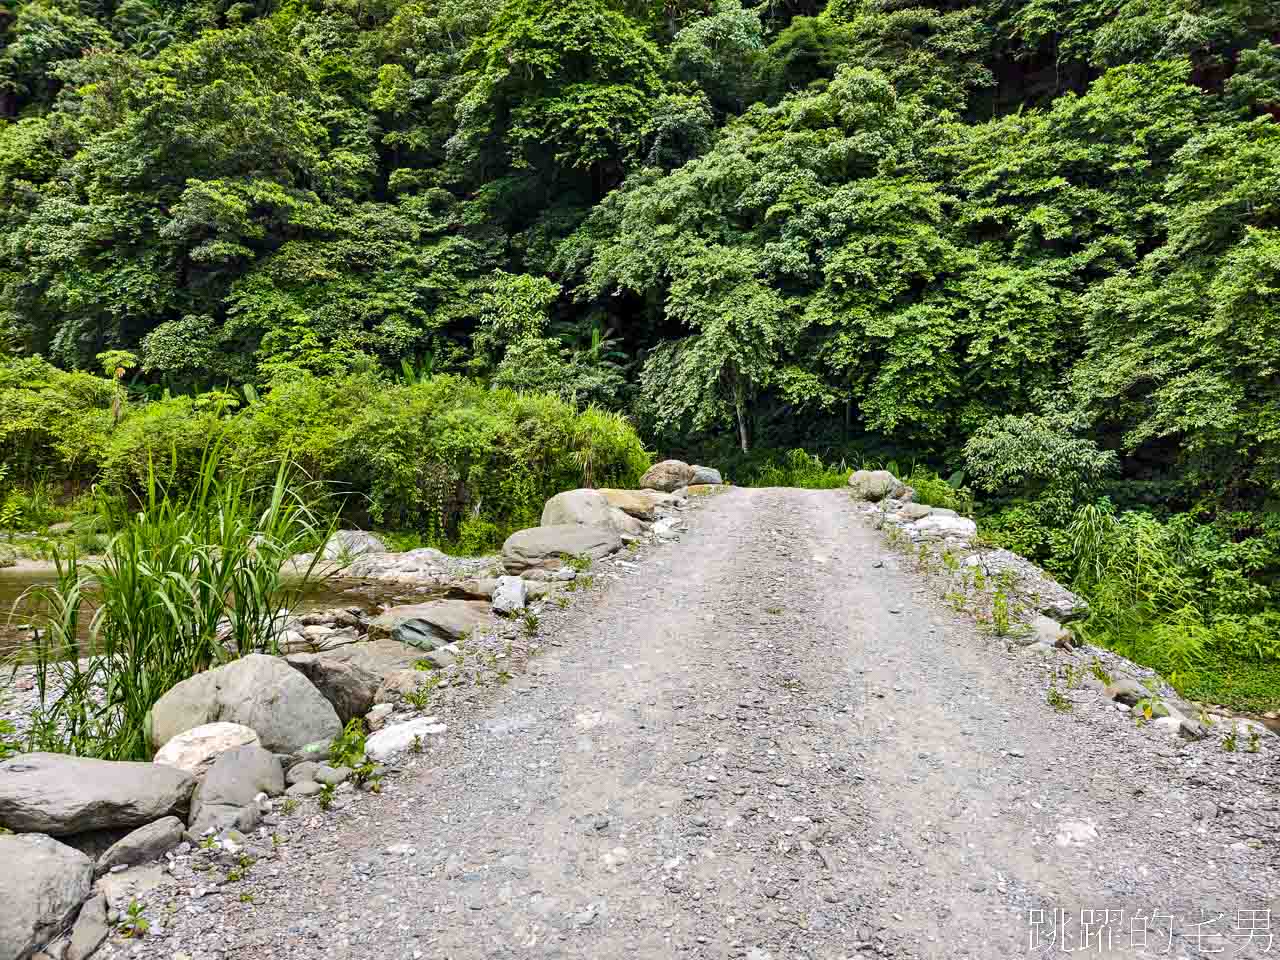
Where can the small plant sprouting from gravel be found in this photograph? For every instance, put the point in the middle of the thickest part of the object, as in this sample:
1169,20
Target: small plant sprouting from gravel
1057,700
325,797
1100,672
562,602
1231,740
530,623
1255,742
416,745
773,611
134,923
289,806
246,897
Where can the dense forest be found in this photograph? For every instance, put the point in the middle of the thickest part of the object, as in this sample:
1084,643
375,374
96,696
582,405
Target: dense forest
1031,244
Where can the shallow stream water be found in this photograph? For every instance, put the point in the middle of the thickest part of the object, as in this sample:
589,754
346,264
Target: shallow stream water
20,587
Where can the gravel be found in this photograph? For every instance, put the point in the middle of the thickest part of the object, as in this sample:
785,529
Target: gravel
729,747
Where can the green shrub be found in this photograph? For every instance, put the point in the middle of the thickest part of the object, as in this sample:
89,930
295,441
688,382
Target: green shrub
799,468
933,490
430,455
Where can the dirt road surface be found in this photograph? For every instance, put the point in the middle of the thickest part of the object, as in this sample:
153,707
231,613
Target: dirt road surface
768,741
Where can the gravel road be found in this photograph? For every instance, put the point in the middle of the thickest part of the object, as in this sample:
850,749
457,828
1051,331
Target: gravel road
768,741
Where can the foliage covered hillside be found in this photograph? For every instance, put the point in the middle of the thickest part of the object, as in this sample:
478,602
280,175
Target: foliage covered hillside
1038,240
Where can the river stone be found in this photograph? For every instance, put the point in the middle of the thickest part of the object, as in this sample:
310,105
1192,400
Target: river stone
42,884
473,588
142,845
59,795
397,739
90,930
545,547
667,476
352,543
913,511
195,750
509,597
226,797
876,485
348,686
577,506
938,527
704,475
431,624
641,504
1126,690
260,692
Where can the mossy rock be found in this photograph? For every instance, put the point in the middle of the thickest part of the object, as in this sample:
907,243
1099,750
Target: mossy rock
8,556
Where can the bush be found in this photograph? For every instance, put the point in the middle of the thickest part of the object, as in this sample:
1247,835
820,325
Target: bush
799,469
424,455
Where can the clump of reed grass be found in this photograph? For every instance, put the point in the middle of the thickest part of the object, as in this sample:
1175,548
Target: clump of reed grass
187,581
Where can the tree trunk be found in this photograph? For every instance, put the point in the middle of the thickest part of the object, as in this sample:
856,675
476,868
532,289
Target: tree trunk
740,408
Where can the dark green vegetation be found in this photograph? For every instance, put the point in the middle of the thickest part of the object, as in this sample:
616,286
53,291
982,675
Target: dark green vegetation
1030,239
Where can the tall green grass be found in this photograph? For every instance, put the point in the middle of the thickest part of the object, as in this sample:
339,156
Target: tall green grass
185,583
799,468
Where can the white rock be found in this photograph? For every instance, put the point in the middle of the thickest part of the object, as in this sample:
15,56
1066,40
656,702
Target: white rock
397,739
509,595
667,528
936,527
195,750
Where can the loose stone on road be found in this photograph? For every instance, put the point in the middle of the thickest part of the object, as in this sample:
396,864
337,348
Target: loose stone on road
764,741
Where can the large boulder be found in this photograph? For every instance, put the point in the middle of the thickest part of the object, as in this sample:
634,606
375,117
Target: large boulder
1039,589
348,686
705,475
431,624
345,544
226,796
260,692
667,476
60,795
577,506
641,504
546,547
876,485
42,885
195,750
142,845
938,526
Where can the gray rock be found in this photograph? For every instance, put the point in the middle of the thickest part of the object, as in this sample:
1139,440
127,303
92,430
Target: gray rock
545,547
348,686
226,798
1049,631
332,776
260,692
473,588
90,930
705,475
143,845
913,511
875,485
304,788
302,772
42,885
1126,690
195,750
1045,594
509,596
57,794
431,624
938,526
351,543
641,504
577,506
667,476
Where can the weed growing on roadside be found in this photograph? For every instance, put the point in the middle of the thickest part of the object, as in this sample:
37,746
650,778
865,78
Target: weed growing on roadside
773,611
347,748
1100,672
1056,699
246,897
134,923
325,796
579,563
289,806
1255,742
1229,742
530,623
416,745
